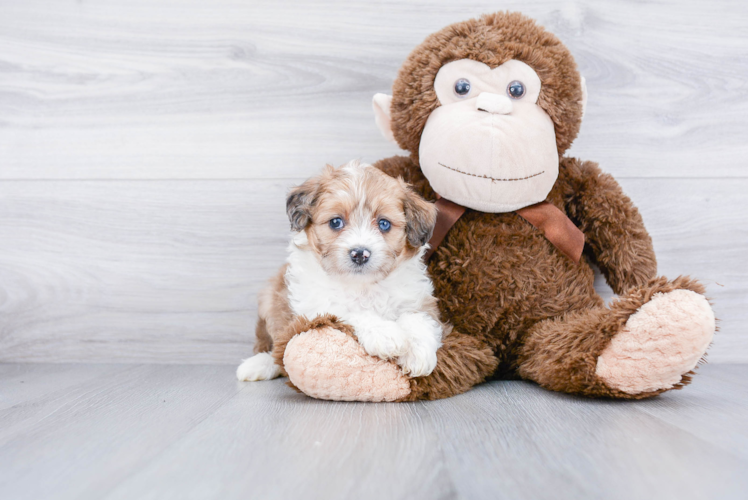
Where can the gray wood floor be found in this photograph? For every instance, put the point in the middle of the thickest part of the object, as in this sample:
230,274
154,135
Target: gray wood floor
97,431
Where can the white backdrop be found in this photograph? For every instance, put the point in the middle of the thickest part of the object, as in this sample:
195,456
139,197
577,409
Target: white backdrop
146,147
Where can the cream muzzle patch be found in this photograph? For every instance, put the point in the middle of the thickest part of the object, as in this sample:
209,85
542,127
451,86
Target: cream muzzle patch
489,146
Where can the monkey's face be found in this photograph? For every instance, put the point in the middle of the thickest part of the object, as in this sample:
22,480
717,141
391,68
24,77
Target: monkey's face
489,146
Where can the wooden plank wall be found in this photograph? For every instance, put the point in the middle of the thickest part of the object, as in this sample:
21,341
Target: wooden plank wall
146,146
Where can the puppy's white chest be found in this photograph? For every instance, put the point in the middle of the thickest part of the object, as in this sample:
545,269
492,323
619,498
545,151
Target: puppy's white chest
313,298
313,292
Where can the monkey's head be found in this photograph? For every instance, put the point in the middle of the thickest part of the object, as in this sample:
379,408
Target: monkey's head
486,107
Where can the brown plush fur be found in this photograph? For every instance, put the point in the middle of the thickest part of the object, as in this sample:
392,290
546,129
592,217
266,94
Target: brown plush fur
500,282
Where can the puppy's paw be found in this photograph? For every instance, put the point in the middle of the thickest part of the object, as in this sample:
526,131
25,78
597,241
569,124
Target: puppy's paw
418,361
424,334
383,339
259,367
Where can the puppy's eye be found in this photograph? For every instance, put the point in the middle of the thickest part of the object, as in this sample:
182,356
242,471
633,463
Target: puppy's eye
516,89
337,223
384,225
462,87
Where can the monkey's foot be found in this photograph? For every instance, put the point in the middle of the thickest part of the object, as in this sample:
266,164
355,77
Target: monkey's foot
661,342
325,363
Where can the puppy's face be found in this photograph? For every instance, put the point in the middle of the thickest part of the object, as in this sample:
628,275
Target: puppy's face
359,221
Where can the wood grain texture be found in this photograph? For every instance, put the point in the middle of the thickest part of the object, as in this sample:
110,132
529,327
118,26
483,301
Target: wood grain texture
95,433
584,450
184,89
163,432
130,270
27,382
716,393
169,271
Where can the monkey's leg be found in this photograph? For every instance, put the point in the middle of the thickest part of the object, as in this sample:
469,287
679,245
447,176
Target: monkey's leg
324,360
646,343
461,362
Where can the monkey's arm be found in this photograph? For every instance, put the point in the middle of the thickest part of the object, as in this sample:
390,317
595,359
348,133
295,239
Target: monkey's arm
612,225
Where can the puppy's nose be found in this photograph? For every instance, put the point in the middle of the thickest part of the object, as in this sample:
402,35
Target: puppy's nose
359,256
494,103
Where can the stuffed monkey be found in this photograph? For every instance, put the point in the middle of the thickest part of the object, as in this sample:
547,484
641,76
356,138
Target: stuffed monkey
487,108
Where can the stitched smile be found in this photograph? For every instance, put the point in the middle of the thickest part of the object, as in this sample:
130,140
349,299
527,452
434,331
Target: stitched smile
492,178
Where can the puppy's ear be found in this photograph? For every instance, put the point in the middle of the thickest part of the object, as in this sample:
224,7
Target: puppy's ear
300,202
420,218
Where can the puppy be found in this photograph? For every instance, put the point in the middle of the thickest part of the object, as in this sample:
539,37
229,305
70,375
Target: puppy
357,254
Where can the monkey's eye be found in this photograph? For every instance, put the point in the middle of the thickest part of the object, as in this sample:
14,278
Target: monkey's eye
384,225
462,87
336,224
516,89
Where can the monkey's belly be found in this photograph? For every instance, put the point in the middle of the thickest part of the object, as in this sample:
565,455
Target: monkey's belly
495,276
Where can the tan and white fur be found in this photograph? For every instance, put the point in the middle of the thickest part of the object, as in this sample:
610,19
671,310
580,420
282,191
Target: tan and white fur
357,254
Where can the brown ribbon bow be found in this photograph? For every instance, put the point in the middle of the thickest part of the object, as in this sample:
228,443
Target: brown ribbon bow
544,216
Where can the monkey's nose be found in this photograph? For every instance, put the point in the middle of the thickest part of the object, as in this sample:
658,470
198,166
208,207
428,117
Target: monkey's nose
494,103
359,256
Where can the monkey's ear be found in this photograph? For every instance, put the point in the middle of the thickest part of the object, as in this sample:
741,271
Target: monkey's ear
420,219
381,104
299,204
583,102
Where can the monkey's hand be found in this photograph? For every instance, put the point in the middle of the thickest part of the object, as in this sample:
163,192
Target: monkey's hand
325,361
